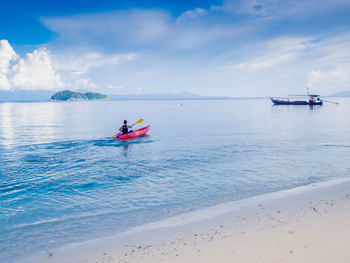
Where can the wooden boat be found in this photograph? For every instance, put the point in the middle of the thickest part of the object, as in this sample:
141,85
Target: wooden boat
313,100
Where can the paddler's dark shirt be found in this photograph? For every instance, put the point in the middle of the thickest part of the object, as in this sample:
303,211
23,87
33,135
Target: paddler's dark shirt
125,129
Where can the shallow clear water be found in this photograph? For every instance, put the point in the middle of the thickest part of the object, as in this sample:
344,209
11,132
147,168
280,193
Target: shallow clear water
63,179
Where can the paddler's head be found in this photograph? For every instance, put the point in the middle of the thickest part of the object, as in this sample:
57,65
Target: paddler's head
125,122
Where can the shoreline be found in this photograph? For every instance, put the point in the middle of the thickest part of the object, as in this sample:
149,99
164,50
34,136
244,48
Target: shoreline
196,235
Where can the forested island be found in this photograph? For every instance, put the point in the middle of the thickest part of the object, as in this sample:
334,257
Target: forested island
73,95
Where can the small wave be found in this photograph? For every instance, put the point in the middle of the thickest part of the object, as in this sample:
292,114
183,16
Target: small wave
106,142
64,218
34,158
63,145
116,143
180,211
10,192
122,178
74,144
314,179
59,145
89,185
11,187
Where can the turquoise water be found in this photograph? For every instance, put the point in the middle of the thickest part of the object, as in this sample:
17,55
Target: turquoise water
63,179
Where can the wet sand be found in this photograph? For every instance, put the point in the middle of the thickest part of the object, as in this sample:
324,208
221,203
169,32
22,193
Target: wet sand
305,224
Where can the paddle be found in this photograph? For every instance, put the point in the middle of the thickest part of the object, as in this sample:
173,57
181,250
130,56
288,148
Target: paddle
331,101
139,121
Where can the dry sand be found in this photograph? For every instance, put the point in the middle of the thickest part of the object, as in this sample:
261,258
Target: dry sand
306,224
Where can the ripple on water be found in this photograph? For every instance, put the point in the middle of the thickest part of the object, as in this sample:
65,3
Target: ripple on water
56,189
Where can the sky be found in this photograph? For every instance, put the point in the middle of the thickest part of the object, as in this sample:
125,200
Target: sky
237,48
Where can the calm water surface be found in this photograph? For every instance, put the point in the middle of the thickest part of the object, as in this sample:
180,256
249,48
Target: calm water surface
63,179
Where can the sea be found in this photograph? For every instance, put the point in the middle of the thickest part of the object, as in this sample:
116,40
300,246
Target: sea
64,179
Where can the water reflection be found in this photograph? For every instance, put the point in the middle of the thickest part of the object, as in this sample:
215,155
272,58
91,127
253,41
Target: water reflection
28,122
6,125
315,107
295,108
311,107
126,149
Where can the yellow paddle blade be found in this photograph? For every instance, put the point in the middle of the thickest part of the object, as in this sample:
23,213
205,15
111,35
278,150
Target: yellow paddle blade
139,121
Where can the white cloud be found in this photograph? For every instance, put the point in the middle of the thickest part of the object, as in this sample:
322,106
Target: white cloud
272,53
118,28
195,13
198,36
42,70
112,87
33,72
320,52
36,72
79,64
7,55
287,65
115,89
89,70
4,83
323,79
336,75
243,47
84,84
139,29
279,9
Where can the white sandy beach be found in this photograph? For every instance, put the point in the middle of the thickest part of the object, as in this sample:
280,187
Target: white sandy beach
306,224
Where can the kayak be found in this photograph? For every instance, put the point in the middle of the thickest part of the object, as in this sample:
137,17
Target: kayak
133,134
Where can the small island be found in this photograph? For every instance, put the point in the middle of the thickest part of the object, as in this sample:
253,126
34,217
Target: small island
72,95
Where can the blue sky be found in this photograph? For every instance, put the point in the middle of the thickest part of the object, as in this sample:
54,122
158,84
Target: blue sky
233,48
20,19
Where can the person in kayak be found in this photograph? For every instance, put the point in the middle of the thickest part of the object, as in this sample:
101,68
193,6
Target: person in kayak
124,129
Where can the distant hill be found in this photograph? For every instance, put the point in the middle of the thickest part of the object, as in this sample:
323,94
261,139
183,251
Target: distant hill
341,94
72,95
163,96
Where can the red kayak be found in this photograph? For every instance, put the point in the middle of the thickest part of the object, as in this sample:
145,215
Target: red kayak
134,134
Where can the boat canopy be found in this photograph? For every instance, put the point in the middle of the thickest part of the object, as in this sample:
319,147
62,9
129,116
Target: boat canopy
310,95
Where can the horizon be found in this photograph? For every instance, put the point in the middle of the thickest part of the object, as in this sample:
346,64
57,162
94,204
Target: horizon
211,48
46,95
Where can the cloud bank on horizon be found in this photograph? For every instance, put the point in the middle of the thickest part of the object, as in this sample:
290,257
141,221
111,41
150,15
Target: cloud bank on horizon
229,48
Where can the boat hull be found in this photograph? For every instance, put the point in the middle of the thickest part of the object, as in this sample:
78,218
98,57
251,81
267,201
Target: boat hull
134,134
288,102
